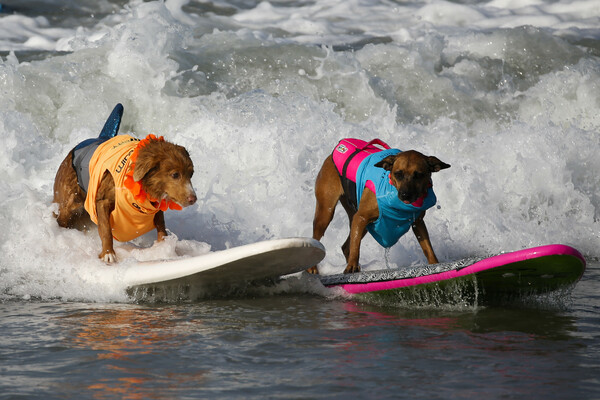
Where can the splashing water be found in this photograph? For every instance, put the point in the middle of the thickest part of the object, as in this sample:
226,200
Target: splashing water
260,94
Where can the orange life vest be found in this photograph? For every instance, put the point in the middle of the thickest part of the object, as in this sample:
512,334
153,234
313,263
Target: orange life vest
131,217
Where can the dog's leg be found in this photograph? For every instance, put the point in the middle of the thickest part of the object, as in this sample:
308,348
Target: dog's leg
68,195
358,231
159,223
328,190
350,212
103,210
105,204
324,213
420,231
323,216
69,211
346,249
368,211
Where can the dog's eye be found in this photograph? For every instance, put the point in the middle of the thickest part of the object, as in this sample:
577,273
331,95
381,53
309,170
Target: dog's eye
175,175
399,175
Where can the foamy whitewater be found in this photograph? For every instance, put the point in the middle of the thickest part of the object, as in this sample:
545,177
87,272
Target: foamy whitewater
506,91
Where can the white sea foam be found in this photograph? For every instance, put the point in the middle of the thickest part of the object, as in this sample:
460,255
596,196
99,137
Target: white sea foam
260,97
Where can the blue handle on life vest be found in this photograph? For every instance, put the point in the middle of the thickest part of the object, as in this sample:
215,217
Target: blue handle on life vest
111,127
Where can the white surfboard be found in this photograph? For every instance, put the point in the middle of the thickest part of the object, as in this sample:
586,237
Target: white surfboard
221,270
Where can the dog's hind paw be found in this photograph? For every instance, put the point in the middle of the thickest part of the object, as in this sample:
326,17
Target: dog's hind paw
108,257
313,270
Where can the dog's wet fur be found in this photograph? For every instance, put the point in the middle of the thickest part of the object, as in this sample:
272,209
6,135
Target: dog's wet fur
164,170
410,173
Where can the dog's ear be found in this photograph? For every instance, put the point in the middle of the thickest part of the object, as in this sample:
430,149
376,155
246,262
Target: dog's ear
436,165
387,163
143,165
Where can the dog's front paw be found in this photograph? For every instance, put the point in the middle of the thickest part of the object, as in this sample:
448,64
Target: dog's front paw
108,256
352,268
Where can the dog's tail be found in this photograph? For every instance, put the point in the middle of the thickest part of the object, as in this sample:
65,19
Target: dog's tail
111,127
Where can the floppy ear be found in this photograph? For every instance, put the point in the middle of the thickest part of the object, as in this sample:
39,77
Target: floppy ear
387,163
143,165
435,164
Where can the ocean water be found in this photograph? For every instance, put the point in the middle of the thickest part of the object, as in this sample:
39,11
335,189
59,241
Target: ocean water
259,92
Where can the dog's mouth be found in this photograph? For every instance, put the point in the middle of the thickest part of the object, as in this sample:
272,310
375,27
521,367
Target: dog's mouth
408,198
188,202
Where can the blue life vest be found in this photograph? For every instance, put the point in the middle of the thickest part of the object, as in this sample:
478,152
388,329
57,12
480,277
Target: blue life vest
395,216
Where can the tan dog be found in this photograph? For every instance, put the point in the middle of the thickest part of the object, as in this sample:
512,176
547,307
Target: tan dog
123,185
410,179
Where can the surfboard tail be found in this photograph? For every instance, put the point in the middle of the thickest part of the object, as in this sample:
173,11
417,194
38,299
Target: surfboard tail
112,124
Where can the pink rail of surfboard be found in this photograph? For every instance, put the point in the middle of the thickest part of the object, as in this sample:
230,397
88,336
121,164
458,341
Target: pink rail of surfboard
485,264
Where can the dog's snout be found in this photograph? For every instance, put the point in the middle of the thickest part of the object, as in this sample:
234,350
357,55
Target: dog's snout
407,196
191,195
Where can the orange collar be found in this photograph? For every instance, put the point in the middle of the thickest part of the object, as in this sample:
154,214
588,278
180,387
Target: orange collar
135,187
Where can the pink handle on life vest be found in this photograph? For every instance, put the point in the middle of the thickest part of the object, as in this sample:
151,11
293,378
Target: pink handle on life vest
377,142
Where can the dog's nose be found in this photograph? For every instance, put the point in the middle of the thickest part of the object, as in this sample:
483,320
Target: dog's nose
405,197
192,199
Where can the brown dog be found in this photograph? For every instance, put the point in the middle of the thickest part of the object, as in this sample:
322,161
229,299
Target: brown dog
127,187
407,177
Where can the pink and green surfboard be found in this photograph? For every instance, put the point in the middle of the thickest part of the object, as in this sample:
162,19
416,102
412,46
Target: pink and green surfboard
534,271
